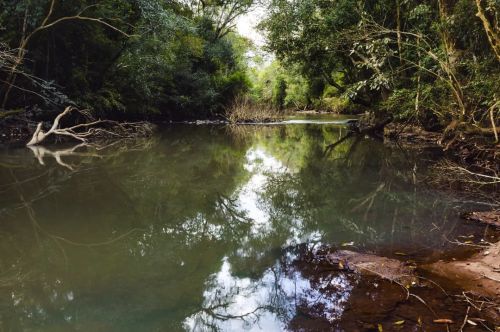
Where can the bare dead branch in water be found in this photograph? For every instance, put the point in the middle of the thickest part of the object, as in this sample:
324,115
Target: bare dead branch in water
465,319
482,245
456,172
83,151
480,304
40,152
84,132
472,175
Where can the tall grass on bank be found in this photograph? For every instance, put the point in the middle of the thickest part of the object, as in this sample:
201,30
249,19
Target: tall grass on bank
244,110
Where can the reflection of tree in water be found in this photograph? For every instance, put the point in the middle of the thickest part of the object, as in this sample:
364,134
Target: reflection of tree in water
288,295
361,191
171,200
126,241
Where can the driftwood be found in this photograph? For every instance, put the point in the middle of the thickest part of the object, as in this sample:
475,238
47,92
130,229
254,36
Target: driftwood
84,132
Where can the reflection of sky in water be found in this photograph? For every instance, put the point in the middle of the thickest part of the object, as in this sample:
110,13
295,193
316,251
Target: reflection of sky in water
262,166
198,228
269,303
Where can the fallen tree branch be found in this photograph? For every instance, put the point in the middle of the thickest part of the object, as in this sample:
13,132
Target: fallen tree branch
356,128
41,152
91,130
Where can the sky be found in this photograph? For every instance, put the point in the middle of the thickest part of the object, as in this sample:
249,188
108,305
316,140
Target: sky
246,25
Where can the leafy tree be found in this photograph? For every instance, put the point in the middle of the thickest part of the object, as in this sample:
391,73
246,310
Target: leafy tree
280,93
395,56
125,58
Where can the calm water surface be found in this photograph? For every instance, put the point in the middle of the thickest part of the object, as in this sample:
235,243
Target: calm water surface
203,228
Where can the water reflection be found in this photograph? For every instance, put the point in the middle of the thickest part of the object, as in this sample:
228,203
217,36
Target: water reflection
260,165
274,302
200,228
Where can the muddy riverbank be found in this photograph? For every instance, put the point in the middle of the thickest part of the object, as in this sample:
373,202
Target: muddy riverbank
458,291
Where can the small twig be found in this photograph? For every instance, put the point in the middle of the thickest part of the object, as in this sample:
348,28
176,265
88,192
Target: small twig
492,119
486,326
421,300
465,319
491,278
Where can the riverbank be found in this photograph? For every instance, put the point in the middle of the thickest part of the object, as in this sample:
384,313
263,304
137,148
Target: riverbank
454,289
15,129
469,164
479,273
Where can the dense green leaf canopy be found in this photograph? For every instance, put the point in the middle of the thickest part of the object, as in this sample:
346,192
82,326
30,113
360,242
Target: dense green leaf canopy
129,58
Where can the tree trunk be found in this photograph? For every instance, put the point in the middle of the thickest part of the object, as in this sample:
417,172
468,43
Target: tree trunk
491,31
398,27
417,94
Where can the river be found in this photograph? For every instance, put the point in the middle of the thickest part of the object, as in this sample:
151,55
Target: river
208,227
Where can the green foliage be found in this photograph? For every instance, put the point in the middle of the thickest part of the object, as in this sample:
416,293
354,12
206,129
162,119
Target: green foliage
177,62
179,59
272,84
377,54
279,93
401,103
337,105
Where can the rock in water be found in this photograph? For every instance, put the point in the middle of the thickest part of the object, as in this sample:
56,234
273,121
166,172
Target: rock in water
368,264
